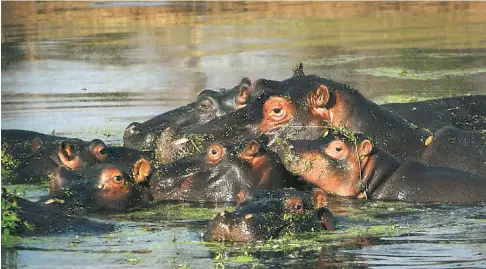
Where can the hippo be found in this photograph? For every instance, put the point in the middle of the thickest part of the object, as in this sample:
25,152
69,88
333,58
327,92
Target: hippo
348,164
72,154
51,221
301,105
269,214
19,145
457,148
104,187
463,112
313,101
218,174
209,105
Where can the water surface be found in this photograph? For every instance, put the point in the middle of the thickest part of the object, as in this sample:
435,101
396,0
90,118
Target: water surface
88,69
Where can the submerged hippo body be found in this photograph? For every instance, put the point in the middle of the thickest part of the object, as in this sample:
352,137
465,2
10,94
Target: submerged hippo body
45,219
102,187
463,112
219,174
209,105
351,166
269,214
459,149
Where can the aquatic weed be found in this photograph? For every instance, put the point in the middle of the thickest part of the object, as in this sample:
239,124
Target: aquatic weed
11,222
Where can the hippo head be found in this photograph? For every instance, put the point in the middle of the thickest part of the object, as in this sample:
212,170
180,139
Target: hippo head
336,162
79,155
289,107
209,105
269,214
106,187
219,174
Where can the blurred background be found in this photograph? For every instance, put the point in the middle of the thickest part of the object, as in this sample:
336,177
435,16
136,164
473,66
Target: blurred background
88,69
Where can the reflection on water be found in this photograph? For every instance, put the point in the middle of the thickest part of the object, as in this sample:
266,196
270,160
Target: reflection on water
88,69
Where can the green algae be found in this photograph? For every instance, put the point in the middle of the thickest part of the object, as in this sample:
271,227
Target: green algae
182,211
404,73
8,161
11,222
407,98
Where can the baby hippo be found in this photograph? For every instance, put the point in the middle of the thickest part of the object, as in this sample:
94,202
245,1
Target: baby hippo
267,214
102,187
347,164
217,175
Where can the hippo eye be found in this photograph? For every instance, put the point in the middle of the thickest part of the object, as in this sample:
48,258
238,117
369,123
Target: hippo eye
214,154
338,149
277,110
118,179
298,207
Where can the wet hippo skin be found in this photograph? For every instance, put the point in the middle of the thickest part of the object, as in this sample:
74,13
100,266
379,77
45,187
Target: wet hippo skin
459,149
352,166
52,220
19,145
72,154
209,105
464,112
102,187
269,214
300,105
219,174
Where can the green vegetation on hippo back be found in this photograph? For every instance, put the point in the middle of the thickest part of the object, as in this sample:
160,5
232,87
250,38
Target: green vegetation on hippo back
262,215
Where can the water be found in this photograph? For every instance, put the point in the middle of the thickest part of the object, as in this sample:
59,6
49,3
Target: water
89,69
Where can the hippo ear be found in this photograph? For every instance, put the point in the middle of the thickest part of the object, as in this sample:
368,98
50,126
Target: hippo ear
36,143
298,70
365,148
67,156
246,81
141,170
98,149
243,94
321,96
319,198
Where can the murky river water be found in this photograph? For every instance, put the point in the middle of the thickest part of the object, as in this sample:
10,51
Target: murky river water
89,69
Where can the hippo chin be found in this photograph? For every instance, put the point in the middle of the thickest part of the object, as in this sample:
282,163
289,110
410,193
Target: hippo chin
270,214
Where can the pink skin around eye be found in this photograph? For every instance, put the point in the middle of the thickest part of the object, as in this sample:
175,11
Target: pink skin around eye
337,150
